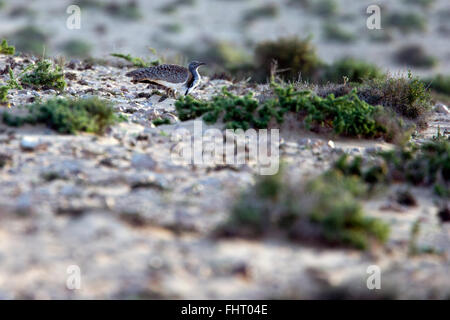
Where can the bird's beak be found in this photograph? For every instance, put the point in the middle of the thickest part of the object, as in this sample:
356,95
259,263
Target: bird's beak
202,64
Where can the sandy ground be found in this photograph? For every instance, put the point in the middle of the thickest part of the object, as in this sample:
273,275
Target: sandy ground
140,226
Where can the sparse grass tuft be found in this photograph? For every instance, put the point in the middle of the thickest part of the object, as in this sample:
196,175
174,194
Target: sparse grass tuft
67,116
6,49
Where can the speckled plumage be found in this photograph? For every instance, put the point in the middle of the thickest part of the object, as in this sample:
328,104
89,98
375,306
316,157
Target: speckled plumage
165,72
173,77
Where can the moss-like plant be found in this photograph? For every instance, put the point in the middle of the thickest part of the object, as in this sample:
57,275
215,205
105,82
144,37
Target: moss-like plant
325,209
6,49
45,74
161,121
67,116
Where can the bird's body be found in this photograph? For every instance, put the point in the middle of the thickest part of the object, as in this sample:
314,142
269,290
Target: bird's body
173,77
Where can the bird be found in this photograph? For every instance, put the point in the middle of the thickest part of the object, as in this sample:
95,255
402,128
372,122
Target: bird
172,77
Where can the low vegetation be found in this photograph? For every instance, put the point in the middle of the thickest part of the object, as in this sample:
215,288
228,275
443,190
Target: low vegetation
6,49
439,83
30,39
136,62
45,75
406,22
264,12
325,210
333,32
294,57
67,116
351,70
77,48
426,165
346,115
415,56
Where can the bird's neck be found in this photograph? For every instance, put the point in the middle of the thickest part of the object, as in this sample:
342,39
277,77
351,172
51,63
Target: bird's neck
193,79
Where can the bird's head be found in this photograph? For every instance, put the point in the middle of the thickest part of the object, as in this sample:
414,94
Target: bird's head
195,64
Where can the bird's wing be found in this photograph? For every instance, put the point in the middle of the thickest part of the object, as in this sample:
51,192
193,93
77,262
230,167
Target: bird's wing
166,72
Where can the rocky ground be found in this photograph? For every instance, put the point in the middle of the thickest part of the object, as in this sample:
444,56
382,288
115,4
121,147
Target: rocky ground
141,226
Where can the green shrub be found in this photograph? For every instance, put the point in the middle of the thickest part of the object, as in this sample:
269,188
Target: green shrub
325,209
406,22
325,8
6,49
422,3
172,27
263,12
30,39
415,56
353,70
160,121
407,96
45,75
333,32
346,115
12,83
424,165
77,48
67,115
136,62
439,83
293,56
129,10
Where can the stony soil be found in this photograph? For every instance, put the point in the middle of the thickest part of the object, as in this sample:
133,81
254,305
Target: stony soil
141,226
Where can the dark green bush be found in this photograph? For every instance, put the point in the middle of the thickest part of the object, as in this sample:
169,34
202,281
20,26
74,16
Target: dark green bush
439,83
294,57
264,12
353,70
333,32
45,74
30,39
77,48
415,56
67,115
325,209
406,22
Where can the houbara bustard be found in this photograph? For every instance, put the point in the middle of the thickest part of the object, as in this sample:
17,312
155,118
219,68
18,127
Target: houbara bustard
172,77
